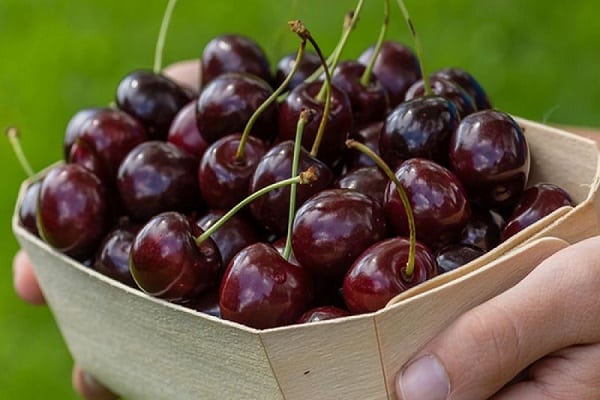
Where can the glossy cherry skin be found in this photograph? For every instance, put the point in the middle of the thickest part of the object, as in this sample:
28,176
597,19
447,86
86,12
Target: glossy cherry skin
184,133
468,83
166,262
333,227
28,207
369,102
222,178
367,180
379,274
368,135
453,256
207,302
535,203
490,156
420,127
112,258
482,230
309,63
396,67
155,177
439,202
272,209
153,99
262,290
238,232
227,103
339,123
464,104
322,313
74,126
73,213
103,140
233,53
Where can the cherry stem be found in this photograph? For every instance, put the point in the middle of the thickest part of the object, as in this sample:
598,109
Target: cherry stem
239,155
366,76
410,264
303,178
12,134
160,43
302,121
418,47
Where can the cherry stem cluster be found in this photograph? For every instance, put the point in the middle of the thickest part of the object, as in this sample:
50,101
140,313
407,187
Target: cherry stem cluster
12,134
366,76
162,34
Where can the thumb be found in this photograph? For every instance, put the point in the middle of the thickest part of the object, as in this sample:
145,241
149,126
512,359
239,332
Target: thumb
485,348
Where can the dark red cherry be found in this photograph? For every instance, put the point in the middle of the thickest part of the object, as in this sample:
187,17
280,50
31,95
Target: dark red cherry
310,63
468,83
262,290
152,99
420,127
482,230
396,67
272,209
184,134
238,232
535,203
227,103
207,302
369,102
379,274
367,180
28,207
322,313
222,177
439,203
490,156
112,258
339,123
369,135
166,262
73,213
233,53
453,256
464,104
333,227
155,177
74,126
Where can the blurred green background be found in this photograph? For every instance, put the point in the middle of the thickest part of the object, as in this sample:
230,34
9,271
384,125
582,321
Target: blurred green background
56,57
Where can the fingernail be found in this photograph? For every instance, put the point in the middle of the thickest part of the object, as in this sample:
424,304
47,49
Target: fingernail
423,379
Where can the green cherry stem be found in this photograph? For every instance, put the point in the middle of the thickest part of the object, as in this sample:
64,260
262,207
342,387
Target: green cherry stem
239,155
302,121
346,35
162,34
303,178
410,264
418,47
12,134
366,76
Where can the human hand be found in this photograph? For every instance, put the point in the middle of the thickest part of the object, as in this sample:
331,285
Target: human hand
546,330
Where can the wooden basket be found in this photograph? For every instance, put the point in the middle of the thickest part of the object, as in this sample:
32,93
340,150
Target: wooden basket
145,348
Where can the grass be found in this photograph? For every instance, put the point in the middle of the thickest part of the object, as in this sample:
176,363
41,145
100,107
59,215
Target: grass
59,56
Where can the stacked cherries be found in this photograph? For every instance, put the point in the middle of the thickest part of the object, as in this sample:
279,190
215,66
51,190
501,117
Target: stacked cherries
146,190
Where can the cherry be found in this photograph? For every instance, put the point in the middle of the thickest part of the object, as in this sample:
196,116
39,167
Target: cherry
367,180
438,201
442,87
233,53
309,64
490,156
482,230
333,227
207,302
156,177
73,212
534,204
262,290
468,83
369,135
322,313
28,207
379,273
112,258
184,133
167,262
453,256
396,67
152,99
74,126
227,103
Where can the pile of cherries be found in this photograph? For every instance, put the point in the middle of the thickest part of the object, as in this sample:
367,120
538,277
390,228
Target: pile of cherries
145,179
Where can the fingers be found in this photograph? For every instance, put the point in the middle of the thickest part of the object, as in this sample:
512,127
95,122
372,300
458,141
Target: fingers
554,307
24,280
186,73
88,387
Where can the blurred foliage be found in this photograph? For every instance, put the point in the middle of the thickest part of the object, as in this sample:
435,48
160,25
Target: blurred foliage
535,60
